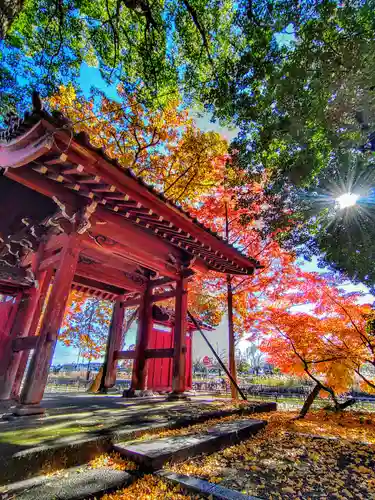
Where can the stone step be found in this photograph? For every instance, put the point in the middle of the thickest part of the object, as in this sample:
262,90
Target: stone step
19,462
75,483
203,488
154,453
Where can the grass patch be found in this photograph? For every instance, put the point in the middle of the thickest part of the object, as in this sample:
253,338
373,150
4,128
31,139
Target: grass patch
41,434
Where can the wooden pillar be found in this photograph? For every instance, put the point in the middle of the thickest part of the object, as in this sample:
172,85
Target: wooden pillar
36,377
139,381
114,344
44,287
231,352
179,341
10,361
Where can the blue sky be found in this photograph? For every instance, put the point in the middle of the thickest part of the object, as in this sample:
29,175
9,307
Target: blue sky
91,77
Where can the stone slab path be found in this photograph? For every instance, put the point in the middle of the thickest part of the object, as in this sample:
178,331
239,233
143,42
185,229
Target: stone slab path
154,453
76,428
72,484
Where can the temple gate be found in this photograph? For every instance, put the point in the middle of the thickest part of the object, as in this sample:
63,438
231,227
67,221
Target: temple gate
76,218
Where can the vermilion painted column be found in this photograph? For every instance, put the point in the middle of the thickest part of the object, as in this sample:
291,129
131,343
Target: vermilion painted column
36,377
139,379
44,287
179,344
114,343
20,328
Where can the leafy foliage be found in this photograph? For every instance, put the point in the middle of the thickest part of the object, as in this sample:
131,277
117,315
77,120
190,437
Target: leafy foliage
330,343
208,293
86,325
309,134
157,47
164,147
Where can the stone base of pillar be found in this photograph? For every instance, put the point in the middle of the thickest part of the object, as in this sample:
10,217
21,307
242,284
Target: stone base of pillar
176,396
32,409
131,393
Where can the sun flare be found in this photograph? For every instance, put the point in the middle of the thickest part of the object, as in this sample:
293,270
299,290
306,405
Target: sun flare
347,200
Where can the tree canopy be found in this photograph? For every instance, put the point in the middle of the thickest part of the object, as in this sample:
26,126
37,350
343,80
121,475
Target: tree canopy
162,146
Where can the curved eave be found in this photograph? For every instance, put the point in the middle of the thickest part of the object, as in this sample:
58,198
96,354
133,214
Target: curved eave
47,134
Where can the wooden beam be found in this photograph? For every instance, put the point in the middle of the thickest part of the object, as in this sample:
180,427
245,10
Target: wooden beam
163,296
140,246
134,243
42,185
102,255
132,302
24,343
159,353
114,343
161,281
125,355
37,374
55,241
27,148
109,275
50,261
97,285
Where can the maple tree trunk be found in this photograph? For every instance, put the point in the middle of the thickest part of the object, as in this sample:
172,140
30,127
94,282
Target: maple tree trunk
309,400
9,10
345,404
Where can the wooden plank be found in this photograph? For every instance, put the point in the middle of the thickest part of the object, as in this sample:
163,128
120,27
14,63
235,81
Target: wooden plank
114,343
179,338
37,374
159,353
24,343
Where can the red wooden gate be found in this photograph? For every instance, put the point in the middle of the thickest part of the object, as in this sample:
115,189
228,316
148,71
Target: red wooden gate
159,371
